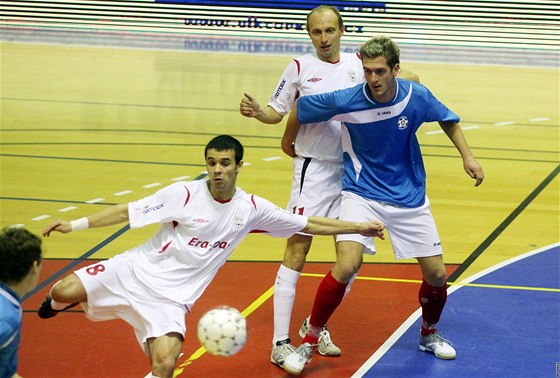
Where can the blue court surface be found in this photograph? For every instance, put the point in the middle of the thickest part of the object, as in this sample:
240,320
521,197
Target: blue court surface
504,323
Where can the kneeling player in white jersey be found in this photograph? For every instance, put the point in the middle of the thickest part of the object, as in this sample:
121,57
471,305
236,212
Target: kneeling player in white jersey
153,286
384,179
317,153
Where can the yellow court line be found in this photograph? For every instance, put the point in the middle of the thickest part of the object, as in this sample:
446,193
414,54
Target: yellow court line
249,310
549,289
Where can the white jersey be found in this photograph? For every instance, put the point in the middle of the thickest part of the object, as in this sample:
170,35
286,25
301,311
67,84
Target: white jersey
309,75
197,235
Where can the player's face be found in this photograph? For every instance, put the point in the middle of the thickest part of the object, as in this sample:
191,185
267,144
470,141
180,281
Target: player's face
380,78
222,172
325,35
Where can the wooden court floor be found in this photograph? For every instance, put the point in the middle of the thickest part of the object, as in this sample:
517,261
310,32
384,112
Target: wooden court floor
85,127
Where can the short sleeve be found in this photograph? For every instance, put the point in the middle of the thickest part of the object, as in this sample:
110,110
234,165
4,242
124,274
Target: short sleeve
275,221
161,207
286,90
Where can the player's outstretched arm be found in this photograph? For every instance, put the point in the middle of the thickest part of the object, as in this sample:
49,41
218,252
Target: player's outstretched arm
106,217
329,226
409,75
249,107
290,133
471,166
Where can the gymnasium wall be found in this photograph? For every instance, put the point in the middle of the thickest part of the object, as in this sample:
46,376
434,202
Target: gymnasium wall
501,24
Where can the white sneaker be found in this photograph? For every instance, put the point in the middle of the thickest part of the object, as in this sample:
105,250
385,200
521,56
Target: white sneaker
439,346
280,351
325,345
296,361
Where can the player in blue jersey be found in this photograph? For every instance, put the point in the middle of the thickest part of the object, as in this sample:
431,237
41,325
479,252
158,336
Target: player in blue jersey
318,171
20,266
384,179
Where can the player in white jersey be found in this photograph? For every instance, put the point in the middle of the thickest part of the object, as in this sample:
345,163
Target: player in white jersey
384,179
153,286
317,153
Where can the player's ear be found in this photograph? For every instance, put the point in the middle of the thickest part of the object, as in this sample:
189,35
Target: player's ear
239,165
396,69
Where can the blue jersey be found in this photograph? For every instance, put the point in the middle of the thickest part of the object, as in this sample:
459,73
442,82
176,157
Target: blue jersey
382,158
10,325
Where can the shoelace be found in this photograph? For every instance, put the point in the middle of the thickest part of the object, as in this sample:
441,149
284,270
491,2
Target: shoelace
306,350
438,338
325,337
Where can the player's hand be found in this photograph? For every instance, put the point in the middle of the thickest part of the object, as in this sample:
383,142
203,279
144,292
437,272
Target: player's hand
474,170
59,225
249,107
373,228
288,146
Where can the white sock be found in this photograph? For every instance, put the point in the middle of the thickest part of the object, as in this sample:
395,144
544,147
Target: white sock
284,297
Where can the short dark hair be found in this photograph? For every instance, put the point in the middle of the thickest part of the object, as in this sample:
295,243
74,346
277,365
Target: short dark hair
323,8
379,46
19,248
223,143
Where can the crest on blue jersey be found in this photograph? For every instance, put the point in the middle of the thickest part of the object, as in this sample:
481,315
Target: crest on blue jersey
402,123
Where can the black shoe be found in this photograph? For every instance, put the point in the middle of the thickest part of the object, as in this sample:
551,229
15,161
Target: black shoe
46,311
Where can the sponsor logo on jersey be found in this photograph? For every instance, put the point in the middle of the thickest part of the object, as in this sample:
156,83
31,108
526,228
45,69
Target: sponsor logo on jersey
402,123
314,79
280,87
200,220
149,209
204,244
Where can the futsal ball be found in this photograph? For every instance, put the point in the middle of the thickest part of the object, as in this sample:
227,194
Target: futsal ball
222,331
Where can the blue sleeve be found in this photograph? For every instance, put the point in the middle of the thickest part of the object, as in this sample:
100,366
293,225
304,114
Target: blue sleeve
317,108
436,111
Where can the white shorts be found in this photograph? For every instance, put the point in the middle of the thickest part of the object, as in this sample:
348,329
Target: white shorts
114,292
316,187
413,232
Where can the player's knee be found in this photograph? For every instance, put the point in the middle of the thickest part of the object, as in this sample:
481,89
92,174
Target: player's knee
343,271
436,277
68,290
163,366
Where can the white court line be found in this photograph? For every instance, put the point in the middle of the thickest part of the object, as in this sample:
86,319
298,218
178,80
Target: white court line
124,192
412,319
41,217
470,127
505,123
66,209
180,178
540,119
272,158
152,185
462,128
95,200
17,225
